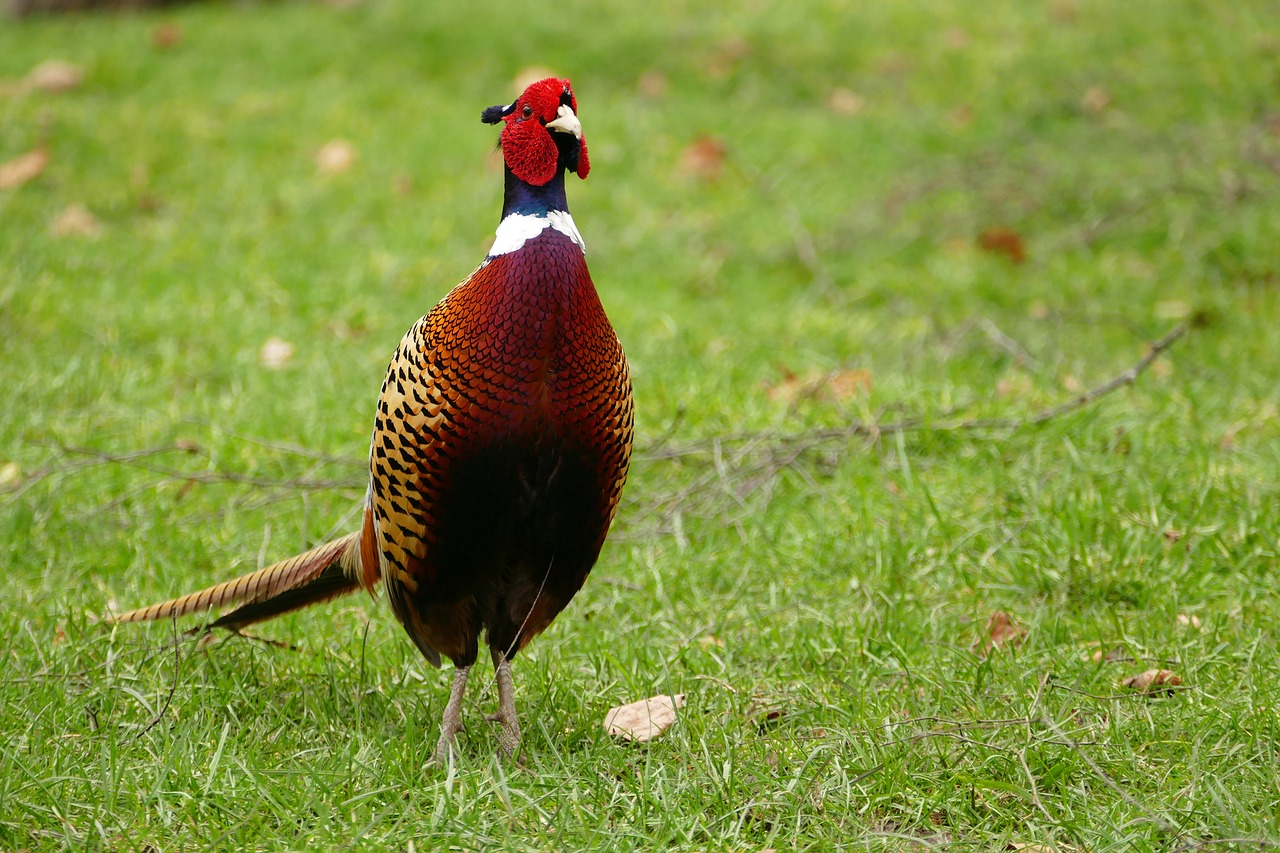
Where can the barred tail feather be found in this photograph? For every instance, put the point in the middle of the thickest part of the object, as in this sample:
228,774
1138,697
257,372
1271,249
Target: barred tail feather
324,572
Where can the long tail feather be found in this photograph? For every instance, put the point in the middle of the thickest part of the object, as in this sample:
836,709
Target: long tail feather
324,572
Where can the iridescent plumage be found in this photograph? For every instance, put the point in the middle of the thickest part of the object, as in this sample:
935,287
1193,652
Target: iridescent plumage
500,445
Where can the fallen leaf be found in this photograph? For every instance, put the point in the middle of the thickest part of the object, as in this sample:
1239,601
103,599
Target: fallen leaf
23,168
10,474
845,102
1173,534
704,158
1095,100
186,445
956,38
652,84
276,353
1116,653
166,35
836,386
54,75
75,220
1003,241
1191,621
59,634
726,57
710,641
335,157
1064,11
961,116
644,720
1001,631
526,77
1153,682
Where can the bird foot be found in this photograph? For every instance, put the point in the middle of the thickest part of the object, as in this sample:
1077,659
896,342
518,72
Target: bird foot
451,724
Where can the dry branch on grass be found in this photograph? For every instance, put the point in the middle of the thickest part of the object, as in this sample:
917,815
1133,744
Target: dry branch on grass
734,466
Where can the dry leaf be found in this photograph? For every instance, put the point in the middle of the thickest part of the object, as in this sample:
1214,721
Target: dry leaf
1117,653
1064,11
24,168
54,75
10,474
711,640
652,84
59,634
836,386
731,51
961,116
1153,682
1173,534
75,220
186,445
845,102
644,720
1190,621
276,353
526,77
1001,631
1003,241
166,35
704,158
1095,100
335,157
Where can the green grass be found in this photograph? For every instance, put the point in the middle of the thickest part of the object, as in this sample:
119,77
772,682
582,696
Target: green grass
843,591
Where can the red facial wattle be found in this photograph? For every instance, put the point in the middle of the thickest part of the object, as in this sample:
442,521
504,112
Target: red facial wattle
528,146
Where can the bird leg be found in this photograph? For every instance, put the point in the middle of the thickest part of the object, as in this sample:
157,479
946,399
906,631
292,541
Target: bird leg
452,722
509,739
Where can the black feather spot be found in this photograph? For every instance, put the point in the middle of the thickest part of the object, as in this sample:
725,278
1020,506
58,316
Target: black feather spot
493,114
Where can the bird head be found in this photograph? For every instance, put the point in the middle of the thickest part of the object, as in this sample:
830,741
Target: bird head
542,134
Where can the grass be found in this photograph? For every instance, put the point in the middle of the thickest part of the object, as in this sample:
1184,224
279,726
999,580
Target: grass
820,620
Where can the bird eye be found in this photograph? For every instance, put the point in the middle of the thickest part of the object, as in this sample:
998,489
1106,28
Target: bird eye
528,111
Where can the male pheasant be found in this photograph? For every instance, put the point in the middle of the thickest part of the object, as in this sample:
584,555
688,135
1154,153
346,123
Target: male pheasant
500,444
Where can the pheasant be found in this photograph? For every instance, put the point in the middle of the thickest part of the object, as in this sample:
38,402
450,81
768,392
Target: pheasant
500,443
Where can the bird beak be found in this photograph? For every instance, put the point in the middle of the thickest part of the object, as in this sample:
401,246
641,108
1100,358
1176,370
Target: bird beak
566,122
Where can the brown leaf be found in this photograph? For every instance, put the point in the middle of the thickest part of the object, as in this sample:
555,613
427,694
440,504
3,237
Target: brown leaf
335,157
10,474
1001,631
276,353
24,168
1189,620
704,158
644,720
1153,682
59,634
75,220
54,75
961,116
187,445
845,102
1003,241
166,35
836,386
652,84
1095,100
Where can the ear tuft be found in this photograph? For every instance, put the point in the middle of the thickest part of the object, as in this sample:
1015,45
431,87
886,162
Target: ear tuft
493,114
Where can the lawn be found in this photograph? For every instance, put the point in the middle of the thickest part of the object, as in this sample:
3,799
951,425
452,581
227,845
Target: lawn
852,250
